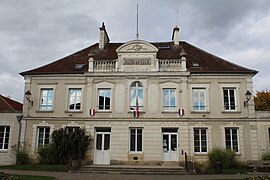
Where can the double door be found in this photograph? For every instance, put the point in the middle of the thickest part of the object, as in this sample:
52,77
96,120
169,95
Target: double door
102,147
170,146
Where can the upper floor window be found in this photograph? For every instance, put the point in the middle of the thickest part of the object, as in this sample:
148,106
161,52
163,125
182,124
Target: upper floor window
46,99
231,139
169,99
74,99
199,99
136,95
4,137
200,140
104,99
229,98
43,136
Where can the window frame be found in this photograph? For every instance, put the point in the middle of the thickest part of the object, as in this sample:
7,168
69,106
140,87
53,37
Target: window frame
104,100
136,141
200,140
198,90
44,143
138,86
69,99
42,89
231,147
6,137
229,100
170,108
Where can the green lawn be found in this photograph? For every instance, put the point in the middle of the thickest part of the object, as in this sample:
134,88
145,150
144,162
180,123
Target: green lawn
27,177
35,167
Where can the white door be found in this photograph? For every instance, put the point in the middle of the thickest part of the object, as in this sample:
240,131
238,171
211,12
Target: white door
102,148
170,146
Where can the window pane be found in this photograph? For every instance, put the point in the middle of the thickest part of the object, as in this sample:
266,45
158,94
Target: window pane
46,99
107,99
132,140
139,141
99,142
106,141
165,142
75,99
173,142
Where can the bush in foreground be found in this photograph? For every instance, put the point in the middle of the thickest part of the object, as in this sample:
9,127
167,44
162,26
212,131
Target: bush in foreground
224,156
266,156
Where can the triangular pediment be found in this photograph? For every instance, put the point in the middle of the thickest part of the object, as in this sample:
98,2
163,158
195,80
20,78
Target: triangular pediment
137,46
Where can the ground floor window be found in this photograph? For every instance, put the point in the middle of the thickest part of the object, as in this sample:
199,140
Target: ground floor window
231,138
4,137
135,140
200,140
71,129
43,136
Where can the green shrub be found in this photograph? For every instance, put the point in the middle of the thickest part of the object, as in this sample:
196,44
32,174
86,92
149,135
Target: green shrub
224,156
47,154
22,157
266,155
9,177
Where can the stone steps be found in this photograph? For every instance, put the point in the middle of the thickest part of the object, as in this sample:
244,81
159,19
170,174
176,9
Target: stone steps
125,169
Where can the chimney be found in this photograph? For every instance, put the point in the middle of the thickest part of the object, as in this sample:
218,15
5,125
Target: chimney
103,37
175,36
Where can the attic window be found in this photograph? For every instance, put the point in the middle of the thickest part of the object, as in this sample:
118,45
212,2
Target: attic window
195,64
163,46
79,66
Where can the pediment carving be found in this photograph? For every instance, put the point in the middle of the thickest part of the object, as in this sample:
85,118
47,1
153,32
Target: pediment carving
137,46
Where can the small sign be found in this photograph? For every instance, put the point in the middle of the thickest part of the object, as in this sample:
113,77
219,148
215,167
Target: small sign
181,112
92,112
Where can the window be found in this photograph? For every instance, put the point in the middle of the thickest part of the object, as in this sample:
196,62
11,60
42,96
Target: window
229,98
135,140
104,99
200,140
46,99
75,98
136,96
4,137
231,138
71,129
199,99
43,136
169,96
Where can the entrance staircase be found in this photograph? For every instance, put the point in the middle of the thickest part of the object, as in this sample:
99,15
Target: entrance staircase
165,169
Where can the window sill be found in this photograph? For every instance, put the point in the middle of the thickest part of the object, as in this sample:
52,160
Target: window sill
68,111
169,112
135,152
40,111
143,112
231,111
200,153
199,112
103,111
3,150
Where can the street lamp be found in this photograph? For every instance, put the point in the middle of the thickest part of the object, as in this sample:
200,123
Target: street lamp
28,96
248,97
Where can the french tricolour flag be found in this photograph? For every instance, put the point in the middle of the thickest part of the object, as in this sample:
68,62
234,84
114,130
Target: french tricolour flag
92,112
136,112
181,112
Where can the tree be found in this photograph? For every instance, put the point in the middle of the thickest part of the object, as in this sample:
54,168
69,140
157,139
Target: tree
65,146
262,101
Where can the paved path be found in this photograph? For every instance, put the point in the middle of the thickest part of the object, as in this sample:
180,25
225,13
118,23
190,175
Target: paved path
89,176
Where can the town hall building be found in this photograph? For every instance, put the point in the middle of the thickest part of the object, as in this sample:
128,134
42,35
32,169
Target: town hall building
145,102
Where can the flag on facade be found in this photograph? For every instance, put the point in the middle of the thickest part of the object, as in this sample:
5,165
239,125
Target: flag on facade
181,112
92,112
136,112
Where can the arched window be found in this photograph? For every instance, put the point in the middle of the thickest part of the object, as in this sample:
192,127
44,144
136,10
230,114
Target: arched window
136,95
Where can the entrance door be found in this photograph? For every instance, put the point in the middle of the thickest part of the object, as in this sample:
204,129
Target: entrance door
170,146
102,146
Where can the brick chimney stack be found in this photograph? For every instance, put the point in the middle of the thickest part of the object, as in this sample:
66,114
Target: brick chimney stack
103,37
175,36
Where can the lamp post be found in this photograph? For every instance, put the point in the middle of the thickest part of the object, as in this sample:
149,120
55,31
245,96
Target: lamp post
30,102
248,97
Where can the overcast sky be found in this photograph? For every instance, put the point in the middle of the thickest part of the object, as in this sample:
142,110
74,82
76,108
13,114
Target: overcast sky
36,32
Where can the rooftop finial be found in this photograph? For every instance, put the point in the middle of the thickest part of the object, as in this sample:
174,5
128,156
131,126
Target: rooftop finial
137,34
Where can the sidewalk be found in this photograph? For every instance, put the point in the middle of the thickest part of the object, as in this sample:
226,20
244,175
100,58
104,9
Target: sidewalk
110,176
